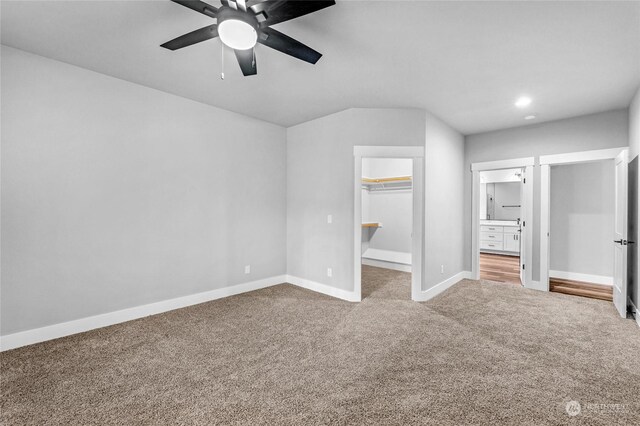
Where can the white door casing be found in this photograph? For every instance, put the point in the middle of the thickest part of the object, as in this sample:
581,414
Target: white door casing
415,153
620,156
526,236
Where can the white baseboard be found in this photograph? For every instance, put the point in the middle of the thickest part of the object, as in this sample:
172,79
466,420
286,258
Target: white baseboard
442,286
388,256
349,296
536,285
387,265
587,278
24,338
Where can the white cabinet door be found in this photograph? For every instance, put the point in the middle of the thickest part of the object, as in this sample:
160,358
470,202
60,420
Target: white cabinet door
512,242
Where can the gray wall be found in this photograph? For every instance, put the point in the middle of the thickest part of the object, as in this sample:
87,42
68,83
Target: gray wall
115,195
444,202
597,131
634,149
582,218
320,174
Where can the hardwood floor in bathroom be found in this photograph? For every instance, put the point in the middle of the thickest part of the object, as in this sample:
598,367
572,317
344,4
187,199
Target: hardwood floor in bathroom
500,268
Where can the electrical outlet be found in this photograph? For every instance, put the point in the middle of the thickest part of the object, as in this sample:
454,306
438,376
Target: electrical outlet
329,272
442,269
330,218
247,269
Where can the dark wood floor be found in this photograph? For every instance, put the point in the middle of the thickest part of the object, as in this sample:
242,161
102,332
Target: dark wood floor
579,288
500,268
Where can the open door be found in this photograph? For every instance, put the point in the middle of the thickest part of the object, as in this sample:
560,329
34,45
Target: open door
620,235
523,223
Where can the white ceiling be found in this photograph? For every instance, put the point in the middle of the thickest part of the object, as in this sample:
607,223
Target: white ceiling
466,62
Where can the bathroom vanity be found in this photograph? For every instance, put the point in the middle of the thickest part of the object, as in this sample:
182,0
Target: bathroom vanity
500,237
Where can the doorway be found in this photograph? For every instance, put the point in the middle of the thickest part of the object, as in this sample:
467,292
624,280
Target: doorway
500,208
502,211
387,204
601,216
388,220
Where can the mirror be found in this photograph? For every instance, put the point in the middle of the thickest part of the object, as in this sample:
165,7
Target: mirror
500,194
503,200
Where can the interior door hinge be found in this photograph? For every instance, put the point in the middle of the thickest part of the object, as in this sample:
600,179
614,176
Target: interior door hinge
524,180
523,266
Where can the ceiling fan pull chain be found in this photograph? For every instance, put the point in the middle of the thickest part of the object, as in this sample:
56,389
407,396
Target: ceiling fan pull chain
222,61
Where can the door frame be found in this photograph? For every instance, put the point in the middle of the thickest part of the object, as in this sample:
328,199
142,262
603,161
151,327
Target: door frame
416,153
526,163
546,161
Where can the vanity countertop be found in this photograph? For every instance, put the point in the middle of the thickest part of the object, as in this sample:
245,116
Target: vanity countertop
500,222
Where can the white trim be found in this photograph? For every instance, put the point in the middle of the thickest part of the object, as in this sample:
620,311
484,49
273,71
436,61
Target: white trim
503,164
386,264
388,256
582,156
475,225
349,296
388,152
545,221
439,288
537,285
28,337
545,195
587,278
417,241
527,214
634,311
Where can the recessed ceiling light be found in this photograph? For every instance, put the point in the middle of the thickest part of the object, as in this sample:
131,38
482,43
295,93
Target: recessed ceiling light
523,101
530,117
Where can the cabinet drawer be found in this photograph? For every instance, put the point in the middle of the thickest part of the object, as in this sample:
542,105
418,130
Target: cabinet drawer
490,228
511,229
491,236
490,245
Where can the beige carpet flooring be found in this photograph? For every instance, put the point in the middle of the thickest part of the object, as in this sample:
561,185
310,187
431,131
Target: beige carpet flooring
481,353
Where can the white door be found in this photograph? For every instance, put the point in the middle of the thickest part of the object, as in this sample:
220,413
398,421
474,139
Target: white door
523,223
620,236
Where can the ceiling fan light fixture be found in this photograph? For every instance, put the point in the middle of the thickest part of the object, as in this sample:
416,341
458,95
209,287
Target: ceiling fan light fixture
236,30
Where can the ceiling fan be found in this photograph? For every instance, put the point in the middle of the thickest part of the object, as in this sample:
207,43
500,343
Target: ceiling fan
240,25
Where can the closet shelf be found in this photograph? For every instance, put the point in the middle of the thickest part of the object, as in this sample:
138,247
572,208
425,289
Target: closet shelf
387,183
372,225
388,179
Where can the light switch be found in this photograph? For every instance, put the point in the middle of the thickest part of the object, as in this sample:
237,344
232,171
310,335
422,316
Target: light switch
330,218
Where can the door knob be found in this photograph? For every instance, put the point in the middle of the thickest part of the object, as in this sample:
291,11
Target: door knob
618,241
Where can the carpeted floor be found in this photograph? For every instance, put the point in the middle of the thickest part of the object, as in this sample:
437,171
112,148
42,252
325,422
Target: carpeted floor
481,353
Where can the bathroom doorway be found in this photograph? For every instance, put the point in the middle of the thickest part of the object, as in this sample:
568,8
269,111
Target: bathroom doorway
500,208
502,212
